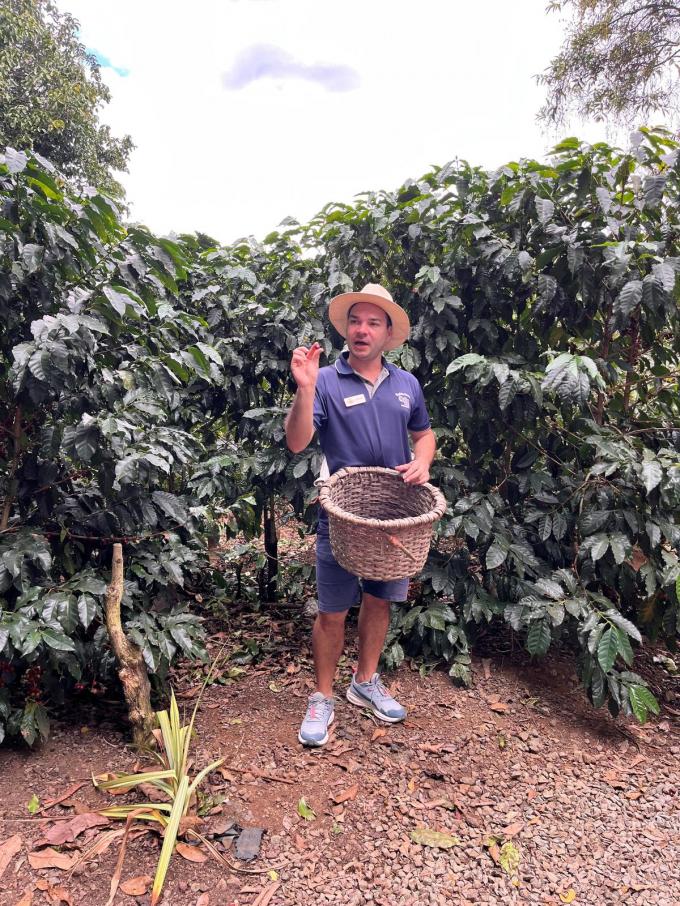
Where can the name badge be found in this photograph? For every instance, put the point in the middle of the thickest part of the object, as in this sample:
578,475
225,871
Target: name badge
355,400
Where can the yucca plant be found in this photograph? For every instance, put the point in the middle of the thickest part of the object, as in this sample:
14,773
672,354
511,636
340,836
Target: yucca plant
172,780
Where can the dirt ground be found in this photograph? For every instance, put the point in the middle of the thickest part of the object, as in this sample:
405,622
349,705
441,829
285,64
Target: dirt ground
545,801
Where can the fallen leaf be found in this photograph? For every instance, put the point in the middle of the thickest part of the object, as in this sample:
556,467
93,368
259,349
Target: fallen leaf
569,896
500,707
512,829
348,795
274,687
50,858
189,822
63,796
27,898
509,859
299,842
67,831
434,748
427,837
380,731
33,805
55,895
191,853
266,895
304,811
411,785
8,851
136,887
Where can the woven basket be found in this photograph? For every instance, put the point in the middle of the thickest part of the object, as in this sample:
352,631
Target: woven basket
380,527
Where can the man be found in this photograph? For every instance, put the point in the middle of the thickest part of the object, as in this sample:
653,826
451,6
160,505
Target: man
364,411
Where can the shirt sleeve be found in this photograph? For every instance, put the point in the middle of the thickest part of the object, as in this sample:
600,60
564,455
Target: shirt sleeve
419,420
320,411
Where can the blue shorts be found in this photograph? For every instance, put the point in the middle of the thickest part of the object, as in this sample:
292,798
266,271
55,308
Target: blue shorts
338,590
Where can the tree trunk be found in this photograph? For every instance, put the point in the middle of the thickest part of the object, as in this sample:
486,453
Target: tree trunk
604,353
633,356
12,481
131,666
271,550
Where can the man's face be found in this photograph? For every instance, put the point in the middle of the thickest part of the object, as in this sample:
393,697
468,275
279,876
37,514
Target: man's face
367,331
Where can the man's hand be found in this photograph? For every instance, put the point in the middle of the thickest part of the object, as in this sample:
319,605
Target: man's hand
305,365
415,472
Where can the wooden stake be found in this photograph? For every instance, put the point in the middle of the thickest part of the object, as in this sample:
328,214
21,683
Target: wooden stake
131,666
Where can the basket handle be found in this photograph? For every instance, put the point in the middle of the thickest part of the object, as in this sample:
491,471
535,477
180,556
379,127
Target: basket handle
395,542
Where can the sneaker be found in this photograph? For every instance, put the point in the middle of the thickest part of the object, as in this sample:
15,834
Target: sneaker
319,717
372,694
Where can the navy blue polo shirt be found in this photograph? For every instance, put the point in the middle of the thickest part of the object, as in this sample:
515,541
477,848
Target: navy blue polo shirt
357,429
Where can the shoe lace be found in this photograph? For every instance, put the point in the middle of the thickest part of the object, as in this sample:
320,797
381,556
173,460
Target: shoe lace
380,689
318,710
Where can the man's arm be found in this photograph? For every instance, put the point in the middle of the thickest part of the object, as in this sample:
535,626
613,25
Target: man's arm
299,422
424,446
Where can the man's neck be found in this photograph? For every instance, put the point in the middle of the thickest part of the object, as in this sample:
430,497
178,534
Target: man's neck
370,370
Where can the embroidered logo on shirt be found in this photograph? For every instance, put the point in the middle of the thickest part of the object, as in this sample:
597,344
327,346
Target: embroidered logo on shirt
355,400
404,399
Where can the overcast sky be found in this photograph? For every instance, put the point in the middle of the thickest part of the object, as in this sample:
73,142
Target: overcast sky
247,111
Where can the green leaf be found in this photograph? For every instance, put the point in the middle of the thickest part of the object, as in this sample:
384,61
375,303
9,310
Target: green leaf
624,647
608,649
57,640
171,505
15,161
538,638
304,811
620,546
495,556
87,610
509,858
300,468
623,624
628,298
599,547
545,209
507,393
118,298
642,702
33,805
652,474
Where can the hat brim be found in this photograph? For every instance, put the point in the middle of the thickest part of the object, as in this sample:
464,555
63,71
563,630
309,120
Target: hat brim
339,307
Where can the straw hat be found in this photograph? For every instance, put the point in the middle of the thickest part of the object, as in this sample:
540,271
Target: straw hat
338,312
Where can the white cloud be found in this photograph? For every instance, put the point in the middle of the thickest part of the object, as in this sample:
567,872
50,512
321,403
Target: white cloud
266,61
432,81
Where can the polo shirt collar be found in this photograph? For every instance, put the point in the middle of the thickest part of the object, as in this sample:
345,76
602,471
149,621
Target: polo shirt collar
342,365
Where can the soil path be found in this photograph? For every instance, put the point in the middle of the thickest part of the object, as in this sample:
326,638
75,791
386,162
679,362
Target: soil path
517,768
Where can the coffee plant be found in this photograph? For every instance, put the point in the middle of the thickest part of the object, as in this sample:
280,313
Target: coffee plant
144,382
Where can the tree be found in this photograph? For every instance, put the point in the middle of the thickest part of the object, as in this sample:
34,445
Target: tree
51,92
620,60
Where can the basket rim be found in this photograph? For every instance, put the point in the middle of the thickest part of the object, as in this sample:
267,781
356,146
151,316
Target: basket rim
333,509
